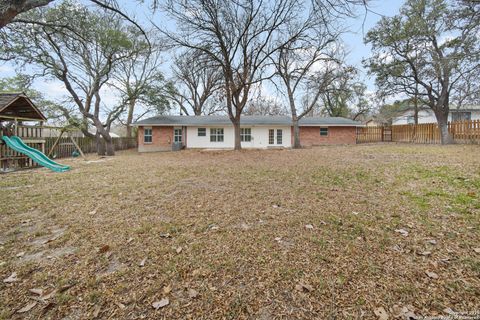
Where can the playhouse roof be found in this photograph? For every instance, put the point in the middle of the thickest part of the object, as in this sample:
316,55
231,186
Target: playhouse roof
19,106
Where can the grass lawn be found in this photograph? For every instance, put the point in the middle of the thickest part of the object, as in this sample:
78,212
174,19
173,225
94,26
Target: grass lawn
341,232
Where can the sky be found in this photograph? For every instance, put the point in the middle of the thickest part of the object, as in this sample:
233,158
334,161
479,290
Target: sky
353,40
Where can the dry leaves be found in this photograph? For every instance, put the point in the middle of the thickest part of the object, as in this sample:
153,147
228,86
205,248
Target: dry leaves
36,291
160,304
431,274
243,267
12,278
405,312
96,311
192,293
381,313
403,232
27,308
303,287
167,289
104,248
425,253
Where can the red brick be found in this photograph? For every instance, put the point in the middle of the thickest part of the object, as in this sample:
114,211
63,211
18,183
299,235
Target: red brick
310,136
162,138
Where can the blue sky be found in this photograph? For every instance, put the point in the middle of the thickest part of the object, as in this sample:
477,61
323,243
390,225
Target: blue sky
359,27
353,39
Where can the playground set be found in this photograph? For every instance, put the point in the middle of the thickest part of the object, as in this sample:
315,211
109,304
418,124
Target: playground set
22,144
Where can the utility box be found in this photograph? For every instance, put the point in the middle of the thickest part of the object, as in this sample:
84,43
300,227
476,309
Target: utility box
177,146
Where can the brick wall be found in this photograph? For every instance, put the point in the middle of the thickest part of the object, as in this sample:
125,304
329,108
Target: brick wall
310,136
162,138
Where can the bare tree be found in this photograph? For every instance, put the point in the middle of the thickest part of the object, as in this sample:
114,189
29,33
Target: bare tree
306,66
140,81
238,36
197,82
261,105
10,9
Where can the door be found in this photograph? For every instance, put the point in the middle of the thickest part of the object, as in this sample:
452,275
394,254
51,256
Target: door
275,137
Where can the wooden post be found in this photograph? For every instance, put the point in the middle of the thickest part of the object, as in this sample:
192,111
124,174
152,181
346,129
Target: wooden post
54,144
78,148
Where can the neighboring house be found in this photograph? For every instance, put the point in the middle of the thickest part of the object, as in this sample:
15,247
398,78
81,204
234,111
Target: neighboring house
372,122
426,115
211,132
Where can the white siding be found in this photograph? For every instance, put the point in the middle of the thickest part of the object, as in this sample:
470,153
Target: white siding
427,116
476,115
259,138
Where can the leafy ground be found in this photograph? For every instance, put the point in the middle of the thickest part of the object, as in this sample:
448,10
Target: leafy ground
341,232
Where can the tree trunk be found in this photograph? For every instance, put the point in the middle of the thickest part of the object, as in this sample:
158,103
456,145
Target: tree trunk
293,110
11,8
131,107
415,112
101,148
442,120
296,134
236,129
110,149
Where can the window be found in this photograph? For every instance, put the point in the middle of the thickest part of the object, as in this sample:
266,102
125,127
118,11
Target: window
177,135
147,135
216,135
245,134
202,132
461,116
271,136
279,136
324,132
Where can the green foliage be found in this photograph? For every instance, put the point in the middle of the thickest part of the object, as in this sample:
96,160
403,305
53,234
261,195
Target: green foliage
80,47
429,46
23,83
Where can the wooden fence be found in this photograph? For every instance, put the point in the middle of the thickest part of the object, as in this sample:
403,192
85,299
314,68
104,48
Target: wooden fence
65,147
370,134
461,131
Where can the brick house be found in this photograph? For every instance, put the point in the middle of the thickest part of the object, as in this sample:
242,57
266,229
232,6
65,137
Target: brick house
162,133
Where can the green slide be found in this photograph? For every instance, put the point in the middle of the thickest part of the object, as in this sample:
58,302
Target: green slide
18,145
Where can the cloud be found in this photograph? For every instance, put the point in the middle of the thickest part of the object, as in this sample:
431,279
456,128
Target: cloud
51,89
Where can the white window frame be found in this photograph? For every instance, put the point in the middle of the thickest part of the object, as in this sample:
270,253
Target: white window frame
324,135
245,134
177,138
217,135
204,132
145,135
271,136
279,131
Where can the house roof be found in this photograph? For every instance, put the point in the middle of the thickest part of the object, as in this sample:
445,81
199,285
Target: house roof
18,105
244,120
